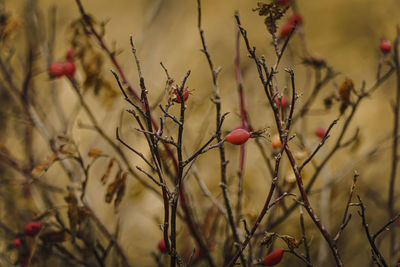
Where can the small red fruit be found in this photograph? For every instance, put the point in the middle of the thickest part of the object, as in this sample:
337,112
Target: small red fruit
17,242
385,46
296,18
276,141
283,2
397,222
198,255
285,30
70,54
24,261
185,94
56,69
320,132
161,246
274,257
284,101
69,69
238,136
33,228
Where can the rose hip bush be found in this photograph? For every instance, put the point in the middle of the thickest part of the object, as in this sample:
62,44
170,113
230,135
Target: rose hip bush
271,159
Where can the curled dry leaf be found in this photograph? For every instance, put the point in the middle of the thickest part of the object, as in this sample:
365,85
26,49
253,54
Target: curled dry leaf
116,187
268,239
273,12
94,152
54,237
42,167
121,191
290,241
344,93
73,213
67,149
76,214
106,174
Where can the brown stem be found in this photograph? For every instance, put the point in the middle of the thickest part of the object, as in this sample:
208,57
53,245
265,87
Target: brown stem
395,156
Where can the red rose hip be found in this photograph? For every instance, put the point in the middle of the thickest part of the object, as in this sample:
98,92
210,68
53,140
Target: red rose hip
185,94
56,69
284,101
274,257
69,69
17,242
70,54
296,18
161,246
320,132
238,136
283,2
285,30
33,228
385,46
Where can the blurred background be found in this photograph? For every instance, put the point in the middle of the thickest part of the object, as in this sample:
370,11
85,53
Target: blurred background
346,34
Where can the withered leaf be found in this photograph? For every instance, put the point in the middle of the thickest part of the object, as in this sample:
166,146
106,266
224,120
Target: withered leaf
52,158
73,211
54,237
82,213
64,139
121,191
113,187
290,241
67,149
344,93
273,12
39,169
94,152
268,239
106,174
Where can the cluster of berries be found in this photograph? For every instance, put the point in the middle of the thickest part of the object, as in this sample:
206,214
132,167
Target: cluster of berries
31,229
59,68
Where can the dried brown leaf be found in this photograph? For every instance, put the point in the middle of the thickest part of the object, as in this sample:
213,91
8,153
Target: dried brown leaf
39,169
106,174
94,152
268,239
54,237
121,191
113,187
290,241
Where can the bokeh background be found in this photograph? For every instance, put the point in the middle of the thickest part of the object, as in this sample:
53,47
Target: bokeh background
345,33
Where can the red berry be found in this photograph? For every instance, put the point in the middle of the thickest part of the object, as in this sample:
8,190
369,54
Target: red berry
17,242
274,257
320,132
283,2
70,54
24,261
296,18
284,101
56,69
69,69
397,222
238,136
161,246
33,228
185,94
198,255
276,141
385,46
285,30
